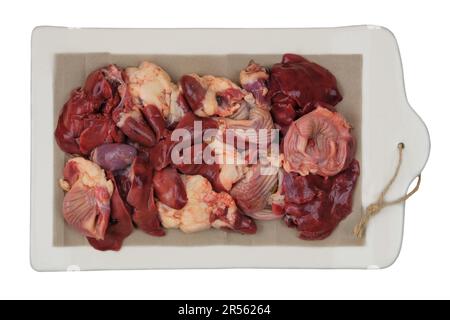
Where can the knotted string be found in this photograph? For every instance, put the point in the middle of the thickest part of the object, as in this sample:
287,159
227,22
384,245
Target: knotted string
381,203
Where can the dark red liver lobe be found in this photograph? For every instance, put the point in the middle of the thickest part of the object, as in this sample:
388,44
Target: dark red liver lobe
85,120
296,85
315,205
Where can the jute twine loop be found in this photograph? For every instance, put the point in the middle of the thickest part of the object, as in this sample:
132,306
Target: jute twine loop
381,203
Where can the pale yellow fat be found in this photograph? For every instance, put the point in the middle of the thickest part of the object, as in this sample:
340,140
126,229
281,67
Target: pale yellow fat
90,174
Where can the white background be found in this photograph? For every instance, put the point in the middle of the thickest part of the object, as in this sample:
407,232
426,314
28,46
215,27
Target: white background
423,268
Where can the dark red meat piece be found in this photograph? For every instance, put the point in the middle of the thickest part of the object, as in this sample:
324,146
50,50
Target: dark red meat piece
245,225
140,196
242,224
296,85
194,92
315,205
188,123
134,126
169,188
114,156
120,223
198,166
298,189
155,119
85,121
159,154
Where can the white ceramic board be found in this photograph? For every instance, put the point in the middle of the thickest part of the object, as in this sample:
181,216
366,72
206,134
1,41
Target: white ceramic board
387,119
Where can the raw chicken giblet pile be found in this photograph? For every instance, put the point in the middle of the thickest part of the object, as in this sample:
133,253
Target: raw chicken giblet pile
119,132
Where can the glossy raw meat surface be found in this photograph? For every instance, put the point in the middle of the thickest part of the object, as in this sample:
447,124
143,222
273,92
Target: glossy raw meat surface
318,143
205,209
86,205
315,205
85,121
296,85
120,223
123,127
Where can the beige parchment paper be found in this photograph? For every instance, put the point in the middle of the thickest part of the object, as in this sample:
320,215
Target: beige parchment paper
70,71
